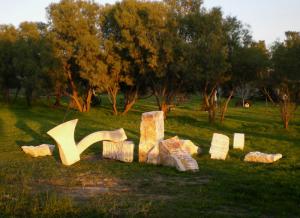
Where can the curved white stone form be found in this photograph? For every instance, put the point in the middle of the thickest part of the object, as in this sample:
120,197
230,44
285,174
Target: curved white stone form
69,151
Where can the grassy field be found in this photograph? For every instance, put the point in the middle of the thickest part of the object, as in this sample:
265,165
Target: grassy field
96,187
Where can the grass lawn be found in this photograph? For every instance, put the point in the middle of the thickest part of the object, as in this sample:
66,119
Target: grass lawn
95,187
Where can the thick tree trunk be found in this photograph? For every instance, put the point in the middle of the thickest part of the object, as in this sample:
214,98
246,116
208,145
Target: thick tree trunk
225,106
112,94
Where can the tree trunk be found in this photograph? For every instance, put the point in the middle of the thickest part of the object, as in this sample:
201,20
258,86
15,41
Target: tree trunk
129,101
268,95
225,106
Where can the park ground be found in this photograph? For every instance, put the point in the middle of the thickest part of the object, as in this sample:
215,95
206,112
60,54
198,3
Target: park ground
96,187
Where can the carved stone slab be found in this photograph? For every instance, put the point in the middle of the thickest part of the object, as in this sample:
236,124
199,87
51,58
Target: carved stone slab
172,154
122,151
39,151
219,147
190,147
260,157
238,141
152,132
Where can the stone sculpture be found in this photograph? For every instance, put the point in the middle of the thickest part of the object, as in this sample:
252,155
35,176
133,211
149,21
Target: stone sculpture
238,141
69,151
172,153
122,151
219,147
38,151
260,157
152,132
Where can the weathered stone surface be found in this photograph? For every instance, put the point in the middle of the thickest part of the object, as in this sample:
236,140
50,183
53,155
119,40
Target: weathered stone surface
152,132
69,151
172,154
239,141
190,147
39,151
219,147
122,151
260,157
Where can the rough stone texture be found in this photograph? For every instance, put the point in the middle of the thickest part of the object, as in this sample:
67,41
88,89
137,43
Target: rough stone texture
260,157
122,151
39,151
69,151
190,147
152,132
172,154
239,141
219,147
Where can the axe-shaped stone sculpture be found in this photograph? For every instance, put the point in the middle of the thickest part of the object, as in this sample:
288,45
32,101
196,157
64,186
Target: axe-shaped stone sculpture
69,151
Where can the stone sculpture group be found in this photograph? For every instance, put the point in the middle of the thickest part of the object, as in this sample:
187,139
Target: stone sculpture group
153,148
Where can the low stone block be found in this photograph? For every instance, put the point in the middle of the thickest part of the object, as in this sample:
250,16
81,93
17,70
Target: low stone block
190,147
122,151
152,132
239,141
260,157
172,154
38,151
219,147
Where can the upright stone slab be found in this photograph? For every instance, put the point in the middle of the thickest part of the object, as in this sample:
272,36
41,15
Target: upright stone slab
122,151
239,141
172,154
152,132
260,157
219,147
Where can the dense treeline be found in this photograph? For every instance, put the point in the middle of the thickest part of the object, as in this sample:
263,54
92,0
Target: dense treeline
146,48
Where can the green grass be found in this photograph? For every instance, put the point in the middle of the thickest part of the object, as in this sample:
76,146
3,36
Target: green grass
96,187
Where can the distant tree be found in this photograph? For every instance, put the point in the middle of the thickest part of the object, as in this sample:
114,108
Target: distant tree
76,33
286,75
8,76
209,51
34,60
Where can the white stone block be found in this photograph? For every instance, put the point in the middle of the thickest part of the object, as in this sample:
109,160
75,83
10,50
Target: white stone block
239,141
260,157
219,146
38,151
122,151
152,132
172,154
190,147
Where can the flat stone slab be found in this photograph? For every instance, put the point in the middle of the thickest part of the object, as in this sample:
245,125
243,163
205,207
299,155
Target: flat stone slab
122,151
152,132
260,157
238,141
172,154
38,151
219,146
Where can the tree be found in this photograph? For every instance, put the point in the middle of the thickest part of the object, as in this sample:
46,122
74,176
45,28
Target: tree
286,75
210,52
76,32
34,60
8,76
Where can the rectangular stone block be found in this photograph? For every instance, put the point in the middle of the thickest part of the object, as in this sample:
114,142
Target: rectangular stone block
152,132
219,147
122,151
172,154
260,157
239,141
